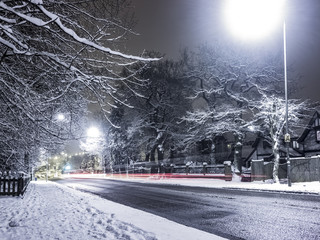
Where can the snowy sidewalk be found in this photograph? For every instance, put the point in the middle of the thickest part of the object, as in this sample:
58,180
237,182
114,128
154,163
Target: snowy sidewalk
52,211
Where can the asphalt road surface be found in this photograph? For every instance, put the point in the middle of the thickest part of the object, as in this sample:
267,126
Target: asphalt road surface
233,214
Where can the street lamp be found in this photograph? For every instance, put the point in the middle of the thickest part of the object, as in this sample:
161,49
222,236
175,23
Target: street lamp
94,142
60,117
93,132
254,19
67,167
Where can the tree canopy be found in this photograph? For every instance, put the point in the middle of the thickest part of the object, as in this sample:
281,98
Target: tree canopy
55,57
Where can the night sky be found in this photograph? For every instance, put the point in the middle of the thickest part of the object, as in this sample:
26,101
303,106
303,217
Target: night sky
168,26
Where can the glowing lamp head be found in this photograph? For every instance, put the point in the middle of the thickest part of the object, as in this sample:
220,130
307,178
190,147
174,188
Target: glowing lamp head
60,117
93,132
251,128
253,19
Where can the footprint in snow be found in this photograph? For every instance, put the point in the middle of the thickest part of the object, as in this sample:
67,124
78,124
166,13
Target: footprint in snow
13,223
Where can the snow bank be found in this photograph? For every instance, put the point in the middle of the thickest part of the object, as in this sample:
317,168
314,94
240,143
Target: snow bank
268,185
53,211
301,187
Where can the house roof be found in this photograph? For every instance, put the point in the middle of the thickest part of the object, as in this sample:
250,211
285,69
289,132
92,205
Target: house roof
308,127
260,139
292,152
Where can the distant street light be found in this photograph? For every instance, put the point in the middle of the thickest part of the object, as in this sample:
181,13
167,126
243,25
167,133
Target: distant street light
68,167
60,117
254,19
251,128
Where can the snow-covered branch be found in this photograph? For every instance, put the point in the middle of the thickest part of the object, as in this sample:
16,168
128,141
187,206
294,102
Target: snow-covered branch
58,56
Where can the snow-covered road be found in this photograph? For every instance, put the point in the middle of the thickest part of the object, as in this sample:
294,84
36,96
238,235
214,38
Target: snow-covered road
51,211
230,213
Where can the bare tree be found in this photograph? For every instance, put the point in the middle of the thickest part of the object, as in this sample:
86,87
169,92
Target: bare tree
227,82
55,56
151,126
269,120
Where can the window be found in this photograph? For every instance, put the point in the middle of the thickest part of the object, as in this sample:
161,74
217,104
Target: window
318,135
295,145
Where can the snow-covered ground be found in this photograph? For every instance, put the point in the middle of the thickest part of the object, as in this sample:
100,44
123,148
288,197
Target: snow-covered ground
302,187
52,211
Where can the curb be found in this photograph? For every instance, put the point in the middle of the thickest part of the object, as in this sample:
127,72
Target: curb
272,191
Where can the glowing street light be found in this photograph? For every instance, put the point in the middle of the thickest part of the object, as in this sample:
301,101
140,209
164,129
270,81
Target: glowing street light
68,167
95,143
60,117
254,19
93,132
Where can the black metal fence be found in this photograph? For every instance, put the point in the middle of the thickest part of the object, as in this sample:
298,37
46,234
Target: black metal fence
13,186
149,167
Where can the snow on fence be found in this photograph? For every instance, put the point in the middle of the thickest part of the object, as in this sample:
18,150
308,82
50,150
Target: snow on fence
13,186
154,168
305,169
189,170
261,170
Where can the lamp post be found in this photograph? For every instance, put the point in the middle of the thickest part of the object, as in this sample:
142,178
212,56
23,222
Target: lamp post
47,169
287,135
251,20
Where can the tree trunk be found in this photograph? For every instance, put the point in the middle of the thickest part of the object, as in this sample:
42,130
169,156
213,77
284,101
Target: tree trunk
147,157
237,155
152,155
275,172
160,154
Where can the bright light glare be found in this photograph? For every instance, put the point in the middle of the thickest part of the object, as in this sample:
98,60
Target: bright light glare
60,117
93,132
68,167
251,128
253,19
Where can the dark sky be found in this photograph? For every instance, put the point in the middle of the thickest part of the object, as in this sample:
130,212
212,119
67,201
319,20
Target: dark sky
169,25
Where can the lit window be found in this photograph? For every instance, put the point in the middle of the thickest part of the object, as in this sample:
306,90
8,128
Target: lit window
295,145
318,135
